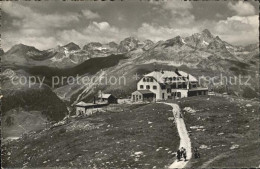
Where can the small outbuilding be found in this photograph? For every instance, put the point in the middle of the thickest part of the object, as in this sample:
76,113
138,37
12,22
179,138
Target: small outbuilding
107,98
83,108
143,96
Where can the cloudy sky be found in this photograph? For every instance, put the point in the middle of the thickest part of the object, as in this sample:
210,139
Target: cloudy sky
48,24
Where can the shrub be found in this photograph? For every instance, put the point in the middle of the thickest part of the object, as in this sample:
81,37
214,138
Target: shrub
249,93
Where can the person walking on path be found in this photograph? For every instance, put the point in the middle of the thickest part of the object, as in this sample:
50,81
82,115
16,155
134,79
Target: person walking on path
182,151
184,154
178,155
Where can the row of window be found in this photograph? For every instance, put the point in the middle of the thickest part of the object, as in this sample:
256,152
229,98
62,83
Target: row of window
174,78
148,79
184,86
147,87
180,86
174,86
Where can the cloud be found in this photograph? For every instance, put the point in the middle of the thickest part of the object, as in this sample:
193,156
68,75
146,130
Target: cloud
156,33
218,15
177,5
238,23
40,42
29,25
179,11
242,8
238,29
95,32
15,10
89,14
164,20
27,18
173,5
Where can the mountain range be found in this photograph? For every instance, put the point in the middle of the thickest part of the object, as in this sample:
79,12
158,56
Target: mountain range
188,49
68,55
201,54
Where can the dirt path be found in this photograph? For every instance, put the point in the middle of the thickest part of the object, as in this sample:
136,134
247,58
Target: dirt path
184,137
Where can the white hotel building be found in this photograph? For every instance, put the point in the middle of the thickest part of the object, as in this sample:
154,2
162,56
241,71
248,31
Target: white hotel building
163,85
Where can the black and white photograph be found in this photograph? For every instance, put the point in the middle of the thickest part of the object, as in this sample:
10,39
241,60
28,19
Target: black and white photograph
147,84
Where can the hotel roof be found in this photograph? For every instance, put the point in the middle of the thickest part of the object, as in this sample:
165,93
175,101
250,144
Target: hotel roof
161,75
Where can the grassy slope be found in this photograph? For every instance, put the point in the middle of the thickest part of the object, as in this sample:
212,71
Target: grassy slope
103,141
239,123
17,121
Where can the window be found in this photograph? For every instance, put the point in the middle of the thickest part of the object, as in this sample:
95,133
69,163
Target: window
147,87
168,90
140,97
144,79
154,87
173,86
163,87
149,79
141,86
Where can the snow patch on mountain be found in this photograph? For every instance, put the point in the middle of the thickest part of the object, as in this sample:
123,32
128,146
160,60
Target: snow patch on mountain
205,43
183,41
169,63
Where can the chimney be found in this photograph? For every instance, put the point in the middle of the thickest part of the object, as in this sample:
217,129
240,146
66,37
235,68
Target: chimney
188,83
94,101
176,71
162,71
100,94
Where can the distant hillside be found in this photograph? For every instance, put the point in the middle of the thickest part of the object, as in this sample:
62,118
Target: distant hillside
41,99
25,108
90,66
